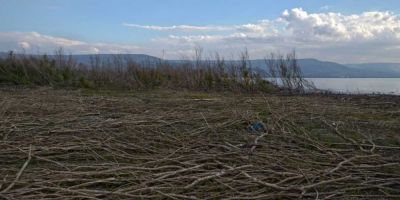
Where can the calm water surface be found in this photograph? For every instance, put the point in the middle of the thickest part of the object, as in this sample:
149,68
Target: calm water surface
359,85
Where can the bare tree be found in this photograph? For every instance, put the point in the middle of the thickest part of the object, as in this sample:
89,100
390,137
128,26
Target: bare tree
286,72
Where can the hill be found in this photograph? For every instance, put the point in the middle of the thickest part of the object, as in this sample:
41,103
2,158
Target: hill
311,68
391,68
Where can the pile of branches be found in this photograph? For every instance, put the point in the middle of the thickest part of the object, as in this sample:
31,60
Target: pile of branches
101,149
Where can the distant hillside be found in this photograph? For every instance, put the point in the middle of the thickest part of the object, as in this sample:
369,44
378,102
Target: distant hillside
315,68
311,68
86,58
3,55
378,67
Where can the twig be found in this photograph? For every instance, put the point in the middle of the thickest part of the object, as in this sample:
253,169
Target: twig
20,171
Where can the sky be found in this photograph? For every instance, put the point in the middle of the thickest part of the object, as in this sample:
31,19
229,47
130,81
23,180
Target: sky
344,31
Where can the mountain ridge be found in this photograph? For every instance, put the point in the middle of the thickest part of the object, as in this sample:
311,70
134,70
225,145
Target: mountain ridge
310,67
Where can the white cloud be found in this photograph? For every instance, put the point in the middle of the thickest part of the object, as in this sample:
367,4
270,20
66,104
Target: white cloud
367,26
364,37
24,45
329,36
325,7
33,42
252,28
185,28
259,27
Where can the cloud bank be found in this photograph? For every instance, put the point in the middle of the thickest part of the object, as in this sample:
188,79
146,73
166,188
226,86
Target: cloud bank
364,37
33,42
185,28
367,37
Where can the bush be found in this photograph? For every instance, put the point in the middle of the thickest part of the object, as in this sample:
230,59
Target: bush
285,72
122,73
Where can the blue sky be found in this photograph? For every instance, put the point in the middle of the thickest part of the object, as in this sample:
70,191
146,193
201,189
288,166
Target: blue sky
153,25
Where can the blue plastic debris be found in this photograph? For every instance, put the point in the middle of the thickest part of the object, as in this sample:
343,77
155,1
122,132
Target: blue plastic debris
257,126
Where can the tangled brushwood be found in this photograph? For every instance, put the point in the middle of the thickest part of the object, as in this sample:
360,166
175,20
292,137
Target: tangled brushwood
59,144
123,72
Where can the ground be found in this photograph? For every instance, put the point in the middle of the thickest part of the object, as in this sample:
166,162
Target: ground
83,144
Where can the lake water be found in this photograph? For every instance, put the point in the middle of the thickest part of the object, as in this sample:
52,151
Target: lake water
359,85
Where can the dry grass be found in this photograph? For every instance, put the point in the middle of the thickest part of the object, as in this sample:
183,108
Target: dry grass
58,144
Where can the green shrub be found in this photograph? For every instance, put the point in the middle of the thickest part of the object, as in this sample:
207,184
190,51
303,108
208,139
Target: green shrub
120,74
84,83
